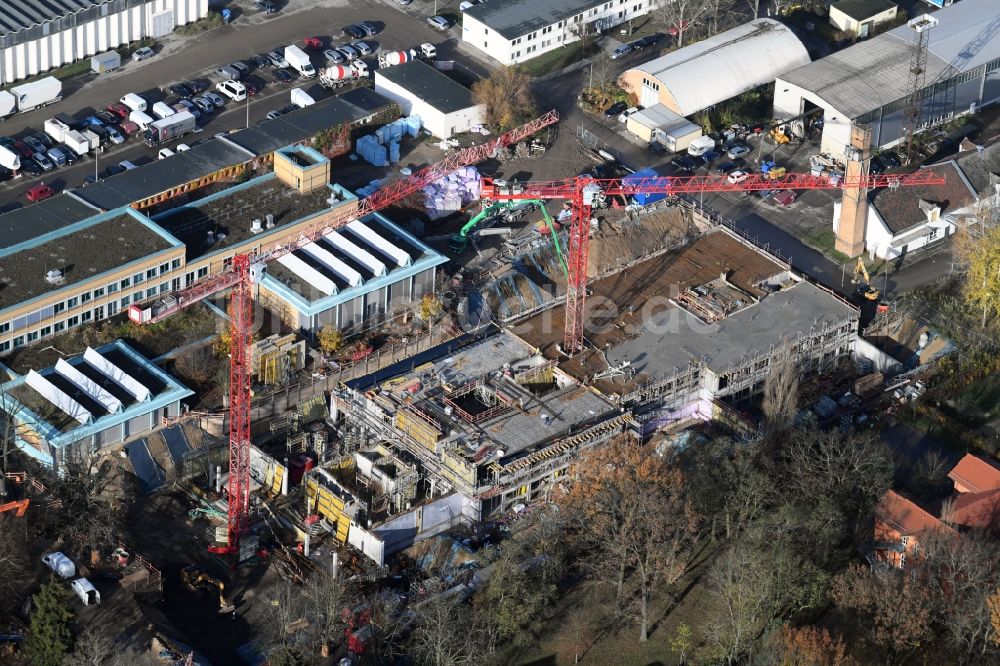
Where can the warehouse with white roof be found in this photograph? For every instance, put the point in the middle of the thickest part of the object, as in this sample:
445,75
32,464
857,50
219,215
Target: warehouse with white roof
868,83
39,35
703,74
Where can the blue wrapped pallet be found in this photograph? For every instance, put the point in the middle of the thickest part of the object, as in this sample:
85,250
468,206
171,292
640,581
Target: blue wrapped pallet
394,152
413,125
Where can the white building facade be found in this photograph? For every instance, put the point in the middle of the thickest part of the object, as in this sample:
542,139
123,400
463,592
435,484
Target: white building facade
513,31
445,107
36,37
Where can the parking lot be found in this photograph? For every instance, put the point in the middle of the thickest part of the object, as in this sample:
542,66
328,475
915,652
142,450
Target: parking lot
197,58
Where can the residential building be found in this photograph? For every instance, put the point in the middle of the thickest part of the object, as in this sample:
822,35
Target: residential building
902,221
868,83
88,402
517,30
900,523
739,59
861,17
975,474
38,36
444,105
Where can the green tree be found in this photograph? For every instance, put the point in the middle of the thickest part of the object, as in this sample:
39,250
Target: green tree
982,281
330,339
511,602
50,639
681,643
507,96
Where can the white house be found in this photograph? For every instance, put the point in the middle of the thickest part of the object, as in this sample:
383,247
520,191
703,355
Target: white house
903,220
445,106
36,36
513,31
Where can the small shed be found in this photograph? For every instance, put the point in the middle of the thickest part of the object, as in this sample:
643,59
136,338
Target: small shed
644,123
861,16
105,62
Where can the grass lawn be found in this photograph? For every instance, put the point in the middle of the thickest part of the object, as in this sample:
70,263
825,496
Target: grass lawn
69,71
824,240
557,59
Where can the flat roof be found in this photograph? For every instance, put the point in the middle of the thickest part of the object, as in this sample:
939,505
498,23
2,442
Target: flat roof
430,85
134,185
59,428
23,224
875,72
739,59
672,338
232,211
516,18
270,135
82,251
19,15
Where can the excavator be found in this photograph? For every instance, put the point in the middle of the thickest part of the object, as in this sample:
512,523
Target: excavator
458,243
196,579
863,280
20,507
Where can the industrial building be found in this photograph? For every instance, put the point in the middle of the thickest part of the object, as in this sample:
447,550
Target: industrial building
736,60
870,83
36,36
444,105
518,30
88,402
861,17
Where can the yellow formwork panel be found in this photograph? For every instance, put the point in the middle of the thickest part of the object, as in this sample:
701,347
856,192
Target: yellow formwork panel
279,474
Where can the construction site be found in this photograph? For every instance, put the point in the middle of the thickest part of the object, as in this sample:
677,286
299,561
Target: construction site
556,317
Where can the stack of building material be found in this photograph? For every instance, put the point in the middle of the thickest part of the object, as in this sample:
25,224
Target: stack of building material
369,148
452,193
368,189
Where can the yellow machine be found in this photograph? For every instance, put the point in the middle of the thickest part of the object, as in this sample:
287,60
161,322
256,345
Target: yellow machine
196,579
863,280
779,136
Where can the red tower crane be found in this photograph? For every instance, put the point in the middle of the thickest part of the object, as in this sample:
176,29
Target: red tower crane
583,194
246,269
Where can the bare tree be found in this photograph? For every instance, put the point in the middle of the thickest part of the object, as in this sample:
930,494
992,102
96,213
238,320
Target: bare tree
781,390
507,96
742,583
680,15
286,617
95,646
13,561
444,634
325,601
10,431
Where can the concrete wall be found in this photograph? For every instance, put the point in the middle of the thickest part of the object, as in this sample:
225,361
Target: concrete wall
95,30
421,523
549,38
881,361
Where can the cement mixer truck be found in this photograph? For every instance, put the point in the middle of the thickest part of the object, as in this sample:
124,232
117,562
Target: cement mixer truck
393,58
336,76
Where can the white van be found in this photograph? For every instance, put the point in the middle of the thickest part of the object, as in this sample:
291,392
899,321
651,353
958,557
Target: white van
86,591
181,147
140,119
234,90
165,152
162,110
134,102
61,564
701,145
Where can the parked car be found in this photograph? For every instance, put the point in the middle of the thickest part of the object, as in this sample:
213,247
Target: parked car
405,3
164,153
686,162
60,564
119,110
71,155
271,115
205,105
128,128
334,56
5,174
216,100
253,85
234,90
312,43
875,166
102,133
623,116
258,61
39,192
36,145
142,54
128,166
115,134
354,32
621,51
23,149
229,73
649,40
363,48
637,45
197,86
738,151
737,177
116,169
370,28
43,161
45,139
107,117
181,90
240,67
437,22
710,156
615,109
31,167
191,107
728,167
277,59
182,147
348,52
266,6
283,75
785,198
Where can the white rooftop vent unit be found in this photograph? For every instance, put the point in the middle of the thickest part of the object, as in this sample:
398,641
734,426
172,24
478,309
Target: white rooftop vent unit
256,227
269,221
54,276
211,237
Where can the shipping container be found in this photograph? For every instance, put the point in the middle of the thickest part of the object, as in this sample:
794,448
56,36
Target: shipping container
105,62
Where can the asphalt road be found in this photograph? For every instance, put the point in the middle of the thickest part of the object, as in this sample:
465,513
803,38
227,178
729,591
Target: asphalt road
196,58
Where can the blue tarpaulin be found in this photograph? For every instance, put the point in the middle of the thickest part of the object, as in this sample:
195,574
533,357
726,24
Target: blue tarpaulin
151,475
646,177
